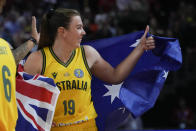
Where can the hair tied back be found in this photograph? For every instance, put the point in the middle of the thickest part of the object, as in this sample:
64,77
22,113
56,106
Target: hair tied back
50,13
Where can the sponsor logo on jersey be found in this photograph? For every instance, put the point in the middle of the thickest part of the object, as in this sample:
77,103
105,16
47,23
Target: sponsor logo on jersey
68,124
78,73
54,74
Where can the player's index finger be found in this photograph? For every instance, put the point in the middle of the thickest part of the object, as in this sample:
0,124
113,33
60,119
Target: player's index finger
146,31
33,21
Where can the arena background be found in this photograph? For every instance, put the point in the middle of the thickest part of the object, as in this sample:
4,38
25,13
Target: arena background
174,108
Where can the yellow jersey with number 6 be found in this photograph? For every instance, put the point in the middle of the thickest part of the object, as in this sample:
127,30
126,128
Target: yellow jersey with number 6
8,108
73,79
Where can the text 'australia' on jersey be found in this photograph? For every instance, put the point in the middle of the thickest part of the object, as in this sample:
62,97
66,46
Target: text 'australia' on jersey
73,79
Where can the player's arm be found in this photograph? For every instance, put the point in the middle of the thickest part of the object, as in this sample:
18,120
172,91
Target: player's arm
33,64
20,52
104,71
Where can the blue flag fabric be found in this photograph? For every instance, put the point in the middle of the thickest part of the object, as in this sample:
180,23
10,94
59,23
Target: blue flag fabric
139,92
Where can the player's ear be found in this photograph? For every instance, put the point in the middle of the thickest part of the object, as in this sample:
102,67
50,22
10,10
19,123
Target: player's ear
61,31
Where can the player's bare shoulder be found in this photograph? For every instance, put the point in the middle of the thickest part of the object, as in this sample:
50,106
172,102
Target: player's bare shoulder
33,63
91,54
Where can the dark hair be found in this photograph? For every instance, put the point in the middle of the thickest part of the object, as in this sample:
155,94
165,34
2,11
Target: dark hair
2,3
51,21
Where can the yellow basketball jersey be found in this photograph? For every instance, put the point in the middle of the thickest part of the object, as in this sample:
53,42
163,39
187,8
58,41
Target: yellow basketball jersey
8,108
73,79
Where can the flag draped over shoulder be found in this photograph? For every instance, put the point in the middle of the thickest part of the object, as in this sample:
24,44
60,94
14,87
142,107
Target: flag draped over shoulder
36,98
113,103
139,92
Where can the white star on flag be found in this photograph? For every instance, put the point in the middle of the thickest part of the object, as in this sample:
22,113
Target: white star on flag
136,43
165,74
113,91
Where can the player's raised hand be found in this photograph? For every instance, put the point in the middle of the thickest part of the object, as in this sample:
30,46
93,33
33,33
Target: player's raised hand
34,32
147,43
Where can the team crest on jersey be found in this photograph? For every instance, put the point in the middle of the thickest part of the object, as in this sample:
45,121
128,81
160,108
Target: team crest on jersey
54,74
78,73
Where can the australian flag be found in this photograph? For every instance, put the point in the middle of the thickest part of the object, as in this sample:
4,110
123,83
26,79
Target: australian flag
139,92
113,103
36,98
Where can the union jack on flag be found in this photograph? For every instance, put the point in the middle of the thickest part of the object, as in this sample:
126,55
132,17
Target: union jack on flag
36,98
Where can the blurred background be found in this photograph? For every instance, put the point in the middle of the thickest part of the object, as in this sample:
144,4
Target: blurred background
175,107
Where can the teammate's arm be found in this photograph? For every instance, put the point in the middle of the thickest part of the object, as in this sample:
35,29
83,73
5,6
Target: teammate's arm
20,52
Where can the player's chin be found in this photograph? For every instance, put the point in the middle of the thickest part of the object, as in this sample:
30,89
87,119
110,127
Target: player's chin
78,44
